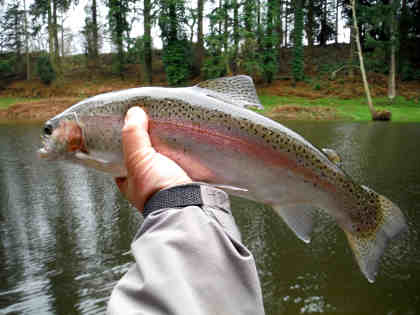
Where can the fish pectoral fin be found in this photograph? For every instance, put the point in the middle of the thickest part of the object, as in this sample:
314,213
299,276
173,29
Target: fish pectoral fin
87,158
228,187
299,218
237,90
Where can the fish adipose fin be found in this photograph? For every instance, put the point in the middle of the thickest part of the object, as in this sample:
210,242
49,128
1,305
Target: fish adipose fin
299,217
369,247
237,90
332,155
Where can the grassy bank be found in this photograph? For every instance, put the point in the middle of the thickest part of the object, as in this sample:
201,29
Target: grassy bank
5,102
276,107
402,110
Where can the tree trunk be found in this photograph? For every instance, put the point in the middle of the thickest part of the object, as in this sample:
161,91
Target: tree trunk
279,30
375,115
235,35
310,24
336,20
200,35
286,23
403,51
55,34
225,35
147,42
50,35
391,78
95,33
28,64
351,55
297,67
323,32
259,32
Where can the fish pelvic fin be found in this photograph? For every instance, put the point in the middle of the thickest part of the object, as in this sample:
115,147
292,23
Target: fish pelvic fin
299,218
237,90
368,247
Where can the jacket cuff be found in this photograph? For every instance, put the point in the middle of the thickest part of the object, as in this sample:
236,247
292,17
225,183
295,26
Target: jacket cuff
192,194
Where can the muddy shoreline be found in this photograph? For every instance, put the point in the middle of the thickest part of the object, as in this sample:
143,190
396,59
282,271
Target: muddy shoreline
37,111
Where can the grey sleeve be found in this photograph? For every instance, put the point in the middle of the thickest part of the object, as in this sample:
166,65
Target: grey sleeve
189,261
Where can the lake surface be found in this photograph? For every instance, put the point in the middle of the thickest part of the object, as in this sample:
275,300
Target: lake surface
65,231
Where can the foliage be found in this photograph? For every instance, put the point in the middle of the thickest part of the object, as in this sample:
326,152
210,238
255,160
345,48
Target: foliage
214,67
12,28
297,66
6,67
119,27
409,72
177,60
269,57
215,64
177,56
45,70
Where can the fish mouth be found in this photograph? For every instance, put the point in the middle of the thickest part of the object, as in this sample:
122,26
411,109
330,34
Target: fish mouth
43,153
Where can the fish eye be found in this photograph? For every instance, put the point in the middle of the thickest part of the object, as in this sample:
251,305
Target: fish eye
48,129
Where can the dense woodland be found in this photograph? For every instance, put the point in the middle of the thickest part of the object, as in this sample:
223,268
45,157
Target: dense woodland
263,38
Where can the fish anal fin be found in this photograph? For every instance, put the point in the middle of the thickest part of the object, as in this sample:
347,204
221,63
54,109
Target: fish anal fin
237,90
299,218
101,165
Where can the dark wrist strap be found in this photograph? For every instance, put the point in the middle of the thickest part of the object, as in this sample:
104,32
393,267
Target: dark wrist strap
193,194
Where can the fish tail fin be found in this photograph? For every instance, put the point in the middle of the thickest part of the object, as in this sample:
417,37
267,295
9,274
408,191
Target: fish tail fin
368,247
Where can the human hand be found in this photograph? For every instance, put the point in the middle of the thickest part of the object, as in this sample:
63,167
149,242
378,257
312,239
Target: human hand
147,170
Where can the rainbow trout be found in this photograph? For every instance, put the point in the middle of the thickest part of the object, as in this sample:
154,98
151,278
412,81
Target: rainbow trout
209,132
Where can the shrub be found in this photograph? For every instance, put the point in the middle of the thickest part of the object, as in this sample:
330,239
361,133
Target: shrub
5,67
45,70
409,72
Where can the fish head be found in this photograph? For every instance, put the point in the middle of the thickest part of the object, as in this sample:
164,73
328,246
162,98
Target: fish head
62,138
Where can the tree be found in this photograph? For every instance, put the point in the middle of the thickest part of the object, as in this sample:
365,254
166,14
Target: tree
392,67
28,63
214,66
310,22
147,41
118,25
200,35
269,52
326,31
297,67
383,115
91,35
250,59
236,36
49,8
176,48
12,33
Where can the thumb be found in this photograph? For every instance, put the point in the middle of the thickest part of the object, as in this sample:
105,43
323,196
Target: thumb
135,138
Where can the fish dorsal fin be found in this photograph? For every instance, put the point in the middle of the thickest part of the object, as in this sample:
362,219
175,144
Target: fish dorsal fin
299,218
332,155
237,90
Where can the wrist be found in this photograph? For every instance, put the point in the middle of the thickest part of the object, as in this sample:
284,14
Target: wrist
188,194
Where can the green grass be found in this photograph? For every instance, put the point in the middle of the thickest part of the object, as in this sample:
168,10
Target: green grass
402,110
5,102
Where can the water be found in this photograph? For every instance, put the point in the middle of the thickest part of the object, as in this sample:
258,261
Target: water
65,231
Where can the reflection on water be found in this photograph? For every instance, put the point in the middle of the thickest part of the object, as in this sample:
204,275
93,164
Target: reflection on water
65,231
